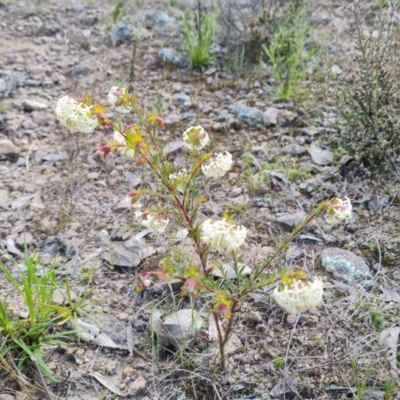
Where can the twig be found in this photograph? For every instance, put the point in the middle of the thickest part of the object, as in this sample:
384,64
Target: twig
42,381
18,379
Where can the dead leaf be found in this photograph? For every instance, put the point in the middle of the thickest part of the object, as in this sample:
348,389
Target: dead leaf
391,295
107,383
320,156
227,270
92,334
21,201
177,327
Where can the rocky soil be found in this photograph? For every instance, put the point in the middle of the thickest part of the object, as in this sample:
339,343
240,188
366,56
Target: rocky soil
61,199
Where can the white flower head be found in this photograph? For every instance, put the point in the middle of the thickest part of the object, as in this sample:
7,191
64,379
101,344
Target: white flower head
182,177
195,138
153,222
339,211
218,165
300,296
115,99
223,235
75,116
123,150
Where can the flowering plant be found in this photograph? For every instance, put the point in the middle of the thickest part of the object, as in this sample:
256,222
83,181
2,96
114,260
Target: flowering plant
177,202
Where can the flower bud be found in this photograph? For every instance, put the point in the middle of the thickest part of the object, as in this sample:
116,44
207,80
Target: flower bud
104,150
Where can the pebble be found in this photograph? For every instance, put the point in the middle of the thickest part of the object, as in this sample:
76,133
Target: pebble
137,385
8,149
32,105
290,220
347,267
286,118
169,56
270,116
120,33
249,115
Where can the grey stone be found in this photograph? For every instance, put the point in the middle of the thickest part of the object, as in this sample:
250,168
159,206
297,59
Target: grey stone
249,115
184,100
172,119
8,149
120,33
293,253
347,267
32,105
294,150
270,116
172,147
223,116
24,238
79,70
169,56
177,87
290,220
190,116
157,19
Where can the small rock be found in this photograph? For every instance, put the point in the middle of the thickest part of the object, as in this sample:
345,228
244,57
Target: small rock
286,118
52,365
156,19
52,246
128,371
86,33
8,149
24,238
137,385
223,116
31,105
93,175
190,116
249,115
347,267
294,150
237,191
169,56
293,252
173,147
41,118
79,70
3,198
184,100
270,116
172,119
122,316
120,33
177,87
290,220
134,179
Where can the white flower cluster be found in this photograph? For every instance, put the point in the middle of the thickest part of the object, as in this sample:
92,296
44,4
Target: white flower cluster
75,116
152,222
340,211
219,164
222,235
120,138
115,95
195,138
182,176
300,296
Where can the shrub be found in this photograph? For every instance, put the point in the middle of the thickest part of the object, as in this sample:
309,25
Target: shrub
368,95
